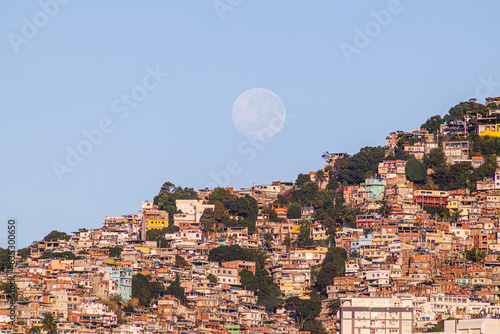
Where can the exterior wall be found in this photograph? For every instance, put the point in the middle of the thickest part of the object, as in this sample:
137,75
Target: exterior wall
376,315
123,280
456,150
240,265
354,195
472,326
227,276
430,197
486,184
357,244
497,179
375,189
157,224
193,207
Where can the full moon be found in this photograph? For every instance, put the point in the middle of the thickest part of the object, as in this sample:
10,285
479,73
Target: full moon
259,113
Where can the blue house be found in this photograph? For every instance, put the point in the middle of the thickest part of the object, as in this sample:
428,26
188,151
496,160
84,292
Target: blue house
123,280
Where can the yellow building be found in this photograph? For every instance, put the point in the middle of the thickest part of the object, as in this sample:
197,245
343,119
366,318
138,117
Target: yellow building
144,249
156,224
463,204
492,132
292,229
312,249
295,289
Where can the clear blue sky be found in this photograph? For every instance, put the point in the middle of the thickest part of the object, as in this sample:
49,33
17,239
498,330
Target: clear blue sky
62,77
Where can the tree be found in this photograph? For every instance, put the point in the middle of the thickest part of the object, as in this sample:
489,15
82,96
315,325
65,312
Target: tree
415,171
235,252
302,179
156,289
454,215
333,183
156,234
128,309
117,298
353,170
169,193
306,195
56,235
327,156
63,255
153,234
244,207
294,211
247,279
212,278
486,145
438,211
302,310
313,326
268,293
334,307
288,242
9,289
325,277
433,124
146,290
460,110
180,261
273,216
439,327
208,220
345,215
170,229
219,211
114,251
458,175
140,289
435,159
268,237
320,177
338,256
486,170
49,324
5,257
221,195
175,289
114,305
304,239
475,255
384,209
24,253
34,329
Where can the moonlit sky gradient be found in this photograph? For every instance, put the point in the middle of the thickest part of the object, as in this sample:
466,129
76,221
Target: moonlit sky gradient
64,80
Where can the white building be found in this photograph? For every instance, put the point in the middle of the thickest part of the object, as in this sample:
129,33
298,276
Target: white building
371,315
497,179
193,208
226,275
472,326
378,277
450,304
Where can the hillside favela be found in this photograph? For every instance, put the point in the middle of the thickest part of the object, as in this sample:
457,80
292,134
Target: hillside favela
394,239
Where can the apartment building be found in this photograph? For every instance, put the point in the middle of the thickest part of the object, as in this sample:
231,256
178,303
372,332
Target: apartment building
456,150
122,277
430,197
374,315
